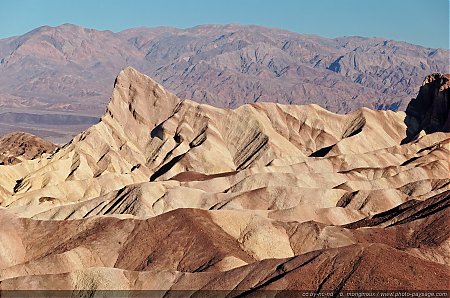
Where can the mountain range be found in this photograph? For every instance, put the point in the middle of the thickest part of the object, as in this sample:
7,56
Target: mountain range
67,71
194,200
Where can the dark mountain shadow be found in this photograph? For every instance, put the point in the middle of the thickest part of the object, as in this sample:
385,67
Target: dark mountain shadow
430,110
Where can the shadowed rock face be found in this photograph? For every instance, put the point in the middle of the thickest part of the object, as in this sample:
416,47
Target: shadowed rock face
168,194
430,110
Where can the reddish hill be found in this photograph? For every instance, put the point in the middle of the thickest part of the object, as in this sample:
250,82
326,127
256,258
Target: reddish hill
18,146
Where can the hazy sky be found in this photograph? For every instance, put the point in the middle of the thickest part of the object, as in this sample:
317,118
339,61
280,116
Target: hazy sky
424,22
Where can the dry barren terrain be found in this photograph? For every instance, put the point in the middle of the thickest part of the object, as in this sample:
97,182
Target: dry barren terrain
169,194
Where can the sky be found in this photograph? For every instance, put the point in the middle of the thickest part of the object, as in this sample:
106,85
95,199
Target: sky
422,22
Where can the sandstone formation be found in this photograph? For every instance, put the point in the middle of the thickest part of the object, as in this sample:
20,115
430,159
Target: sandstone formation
69,69
18,146
168,194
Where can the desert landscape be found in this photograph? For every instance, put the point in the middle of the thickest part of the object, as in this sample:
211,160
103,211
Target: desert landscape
203,149
190,199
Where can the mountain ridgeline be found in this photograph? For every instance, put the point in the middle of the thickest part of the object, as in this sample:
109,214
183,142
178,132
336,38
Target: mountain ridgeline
65,72
69,68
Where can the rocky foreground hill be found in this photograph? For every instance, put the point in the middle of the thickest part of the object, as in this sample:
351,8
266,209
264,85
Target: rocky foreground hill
171,194
17,146
70,69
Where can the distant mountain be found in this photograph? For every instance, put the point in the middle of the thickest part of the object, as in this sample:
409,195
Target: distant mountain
71,69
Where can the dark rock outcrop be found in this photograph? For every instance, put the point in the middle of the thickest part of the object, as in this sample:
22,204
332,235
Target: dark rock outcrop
430,110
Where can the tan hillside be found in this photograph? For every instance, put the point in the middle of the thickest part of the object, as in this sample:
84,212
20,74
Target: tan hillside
169,194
